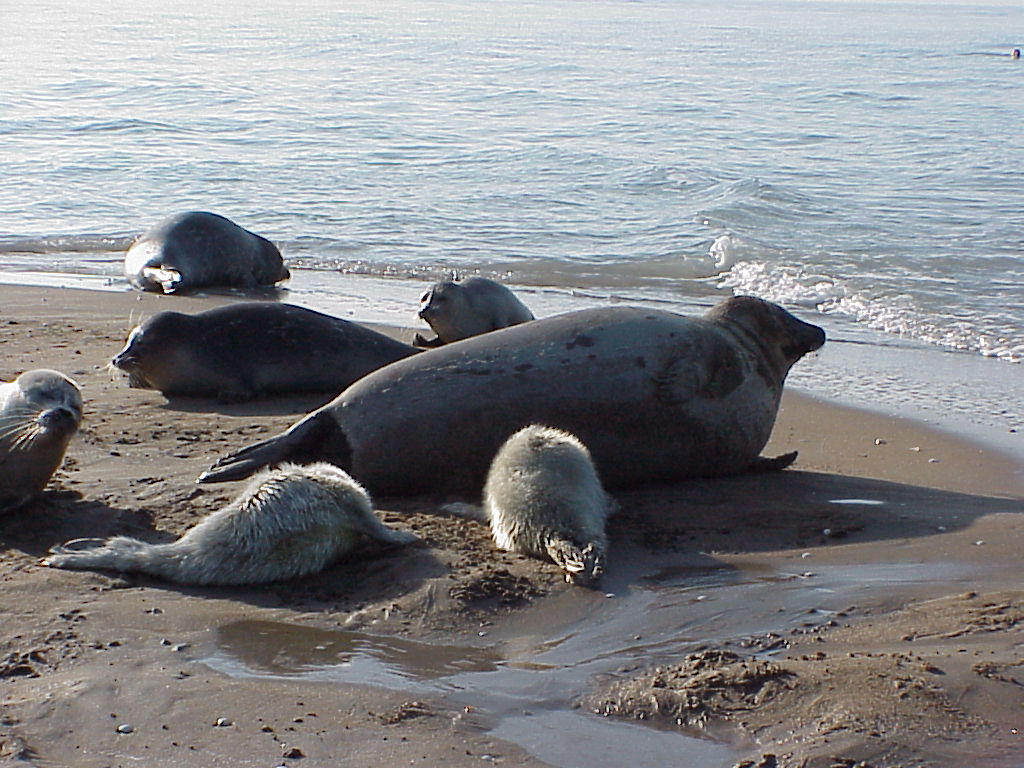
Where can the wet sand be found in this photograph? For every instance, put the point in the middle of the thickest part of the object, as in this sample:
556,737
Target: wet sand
861,608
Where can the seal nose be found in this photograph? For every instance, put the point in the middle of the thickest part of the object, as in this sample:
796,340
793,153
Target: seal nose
806,338
61,419
123,360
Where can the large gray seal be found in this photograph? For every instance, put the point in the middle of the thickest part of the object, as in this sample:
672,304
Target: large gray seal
290,521
39,414
196,249
476,305
543,498
252,349
654,395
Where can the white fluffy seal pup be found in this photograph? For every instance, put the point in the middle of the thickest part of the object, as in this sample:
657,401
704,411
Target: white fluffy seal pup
39,414
468,308
543,498
290,521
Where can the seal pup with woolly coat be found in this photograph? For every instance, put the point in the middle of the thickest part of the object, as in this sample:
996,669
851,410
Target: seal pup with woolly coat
543,498
654,396
290,521
196,249
40,412
468,308
252,349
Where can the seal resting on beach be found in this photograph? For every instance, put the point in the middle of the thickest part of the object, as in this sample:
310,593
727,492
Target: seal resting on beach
252,349
543,498
39,414
655,396
195,249
476,305
290,521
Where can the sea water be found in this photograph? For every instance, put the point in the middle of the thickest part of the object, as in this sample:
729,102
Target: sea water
860,163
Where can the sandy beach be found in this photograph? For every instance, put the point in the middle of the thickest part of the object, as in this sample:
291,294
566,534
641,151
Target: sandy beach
883,624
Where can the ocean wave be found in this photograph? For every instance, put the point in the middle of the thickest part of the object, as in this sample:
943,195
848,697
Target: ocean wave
898,315
53,244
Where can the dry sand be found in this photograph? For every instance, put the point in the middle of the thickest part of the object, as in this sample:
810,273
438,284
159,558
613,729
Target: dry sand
929,672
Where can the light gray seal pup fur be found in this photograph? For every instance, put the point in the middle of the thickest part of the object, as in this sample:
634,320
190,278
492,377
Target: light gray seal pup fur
197,249
655,396
476,305
543,498
290,521
40,412
252,349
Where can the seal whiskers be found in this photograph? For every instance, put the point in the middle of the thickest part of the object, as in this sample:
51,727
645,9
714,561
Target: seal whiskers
290,521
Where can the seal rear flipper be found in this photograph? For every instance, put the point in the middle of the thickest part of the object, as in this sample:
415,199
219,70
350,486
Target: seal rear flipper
168,279
316,438
772,464
582,565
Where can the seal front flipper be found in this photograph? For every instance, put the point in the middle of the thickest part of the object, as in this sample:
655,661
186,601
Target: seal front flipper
773,463
316,438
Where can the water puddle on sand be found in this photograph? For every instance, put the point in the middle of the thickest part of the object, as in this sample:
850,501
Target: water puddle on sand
523,686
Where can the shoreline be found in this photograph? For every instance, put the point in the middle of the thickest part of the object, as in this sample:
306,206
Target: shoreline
761,565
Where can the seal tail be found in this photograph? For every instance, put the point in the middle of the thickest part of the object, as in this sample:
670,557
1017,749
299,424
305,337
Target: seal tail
120,553
318,437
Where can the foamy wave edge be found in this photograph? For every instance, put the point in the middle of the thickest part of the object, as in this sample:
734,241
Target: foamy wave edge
793,285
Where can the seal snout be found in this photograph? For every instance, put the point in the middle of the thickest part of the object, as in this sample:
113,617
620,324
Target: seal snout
60,419
806,337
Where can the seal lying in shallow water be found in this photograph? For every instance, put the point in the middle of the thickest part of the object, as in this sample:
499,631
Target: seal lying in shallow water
654,395
195,249
476,305
543,498
252,349
39,414
289,522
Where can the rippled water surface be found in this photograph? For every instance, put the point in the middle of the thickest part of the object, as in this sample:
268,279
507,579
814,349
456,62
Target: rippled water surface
859,161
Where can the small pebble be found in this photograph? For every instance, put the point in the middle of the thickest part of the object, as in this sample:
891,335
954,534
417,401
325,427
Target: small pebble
125,728
879,441
222,722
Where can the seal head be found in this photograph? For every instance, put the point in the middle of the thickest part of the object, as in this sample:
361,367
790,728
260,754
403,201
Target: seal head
40,412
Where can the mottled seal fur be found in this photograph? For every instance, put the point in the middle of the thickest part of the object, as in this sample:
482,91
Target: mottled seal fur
39,414
654,396
476,305
290,521
543,497
196,249
252,349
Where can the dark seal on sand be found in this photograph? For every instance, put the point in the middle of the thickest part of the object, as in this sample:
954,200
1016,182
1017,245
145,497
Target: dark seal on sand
654,395
252,349
196,249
